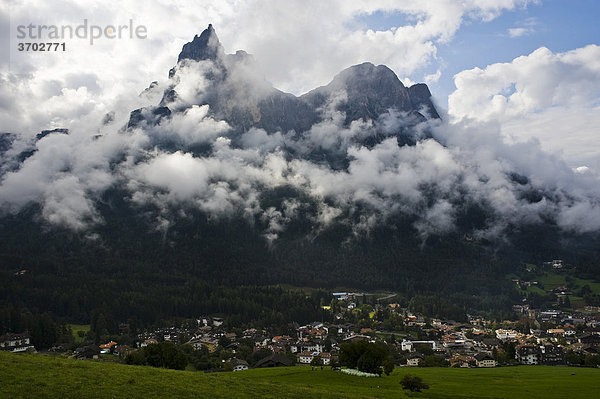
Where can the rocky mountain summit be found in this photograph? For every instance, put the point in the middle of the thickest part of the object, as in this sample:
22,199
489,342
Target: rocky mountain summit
204,47
238,94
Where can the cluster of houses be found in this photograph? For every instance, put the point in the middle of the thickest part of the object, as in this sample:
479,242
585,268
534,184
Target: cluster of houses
472,344
16,342
308,345
540,338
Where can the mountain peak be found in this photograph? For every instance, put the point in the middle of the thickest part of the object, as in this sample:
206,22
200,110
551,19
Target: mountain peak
420,96
204,47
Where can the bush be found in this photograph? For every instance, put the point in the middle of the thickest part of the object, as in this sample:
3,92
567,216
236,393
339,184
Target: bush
163,354
413,383
369,362
136,358
364,356
388,366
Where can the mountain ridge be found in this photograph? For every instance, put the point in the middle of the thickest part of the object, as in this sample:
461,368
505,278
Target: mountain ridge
371,90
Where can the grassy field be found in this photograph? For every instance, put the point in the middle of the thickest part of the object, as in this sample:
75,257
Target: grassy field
84,328
594,285
553,279
38,376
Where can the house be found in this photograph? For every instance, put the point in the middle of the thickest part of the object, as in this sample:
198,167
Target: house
282,339
552,355
455,343
195,343
314,346
87,352
274,360
528,354
149,341
239,364
409,345
210,343
249,333
491,343
316,324
311,346
16,342
569,332
483,359
557,264
325,358
413,359
340,296
458,360
550,315
261,341
546,354
203,330
590,339
217,321
108,347
122,350
504,335
341,328
305,357
412,320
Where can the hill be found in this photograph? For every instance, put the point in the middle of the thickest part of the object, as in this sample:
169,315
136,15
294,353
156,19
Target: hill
28,376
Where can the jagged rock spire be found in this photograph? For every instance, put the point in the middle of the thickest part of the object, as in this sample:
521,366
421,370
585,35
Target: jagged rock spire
204,47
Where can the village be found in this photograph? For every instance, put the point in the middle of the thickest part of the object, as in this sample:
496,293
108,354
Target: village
537,337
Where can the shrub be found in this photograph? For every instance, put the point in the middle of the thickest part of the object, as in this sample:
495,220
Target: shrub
413,383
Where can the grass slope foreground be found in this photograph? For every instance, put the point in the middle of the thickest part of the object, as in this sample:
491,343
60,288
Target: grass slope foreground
38,376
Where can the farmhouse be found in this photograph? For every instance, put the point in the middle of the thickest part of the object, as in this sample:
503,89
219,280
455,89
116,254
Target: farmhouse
87,352
413,359
504,335
274,360
16,342
305,357
485,360
239,364
409,345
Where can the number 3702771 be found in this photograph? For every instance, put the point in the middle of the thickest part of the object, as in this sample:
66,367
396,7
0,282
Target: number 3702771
24,46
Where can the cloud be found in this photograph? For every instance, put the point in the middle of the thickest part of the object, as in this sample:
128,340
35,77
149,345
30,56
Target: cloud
500,121
525,28
66,174
433,181
554,98
192,126
434,77
83,83
518,32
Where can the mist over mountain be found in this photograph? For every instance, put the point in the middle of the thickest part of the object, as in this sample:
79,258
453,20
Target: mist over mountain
359,182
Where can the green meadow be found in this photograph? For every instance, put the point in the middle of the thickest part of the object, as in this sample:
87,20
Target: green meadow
39,376
79,331
553,279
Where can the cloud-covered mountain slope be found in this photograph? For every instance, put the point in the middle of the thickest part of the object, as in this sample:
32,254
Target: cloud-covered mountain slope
220,169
